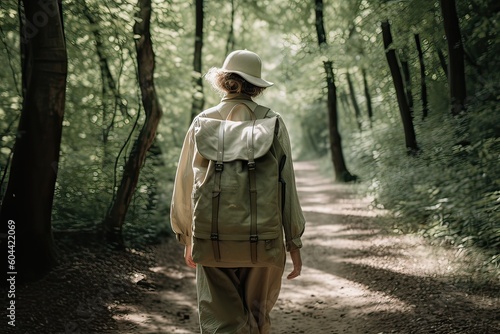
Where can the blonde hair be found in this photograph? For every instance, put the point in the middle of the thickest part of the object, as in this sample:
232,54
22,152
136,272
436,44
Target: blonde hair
230,83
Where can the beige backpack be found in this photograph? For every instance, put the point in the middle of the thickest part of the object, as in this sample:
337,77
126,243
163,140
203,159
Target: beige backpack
238,191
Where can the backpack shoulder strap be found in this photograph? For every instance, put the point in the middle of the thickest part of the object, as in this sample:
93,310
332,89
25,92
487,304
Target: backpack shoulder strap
261,111
265,112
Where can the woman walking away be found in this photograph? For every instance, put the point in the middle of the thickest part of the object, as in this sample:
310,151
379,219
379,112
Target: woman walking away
238,278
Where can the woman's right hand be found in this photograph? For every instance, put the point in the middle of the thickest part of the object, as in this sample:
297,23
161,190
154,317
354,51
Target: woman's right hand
297,264
188,258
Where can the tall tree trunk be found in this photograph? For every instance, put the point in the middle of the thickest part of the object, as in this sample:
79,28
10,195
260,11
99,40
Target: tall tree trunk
407,83
368,97
230,35
456,71
352,93
404,109
26,208
341,172
442,61
115,217
423,85
198,97
345,104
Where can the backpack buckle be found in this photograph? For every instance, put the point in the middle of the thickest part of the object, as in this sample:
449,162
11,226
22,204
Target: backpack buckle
214,236
219,166
254,238
251,165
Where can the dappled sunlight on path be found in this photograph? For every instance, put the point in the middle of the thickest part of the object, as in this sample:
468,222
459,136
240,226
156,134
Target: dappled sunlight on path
169,306
357,278
321,195
324,298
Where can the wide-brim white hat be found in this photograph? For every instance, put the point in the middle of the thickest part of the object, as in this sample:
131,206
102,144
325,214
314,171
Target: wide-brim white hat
248,65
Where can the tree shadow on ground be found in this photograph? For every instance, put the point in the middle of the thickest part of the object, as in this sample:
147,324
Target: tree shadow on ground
362,271
357,278
87,291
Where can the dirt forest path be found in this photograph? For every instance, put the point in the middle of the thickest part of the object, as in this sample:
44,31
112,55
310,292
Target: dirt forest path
357,278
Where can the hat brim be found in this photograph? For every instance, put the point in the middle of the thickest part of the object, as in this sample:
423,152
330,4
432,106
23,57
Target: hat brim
250,78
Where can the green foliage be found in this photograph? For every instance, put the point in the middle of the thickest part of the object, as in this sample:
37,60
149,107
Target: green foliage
450,191
10,83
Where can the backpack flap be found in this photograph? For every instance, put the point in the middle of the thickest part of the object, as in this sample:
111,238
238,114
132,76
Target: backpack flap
236,135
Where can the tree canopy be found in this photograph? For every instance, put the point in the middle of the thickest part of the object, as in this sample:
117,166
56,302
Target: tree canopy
450,189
